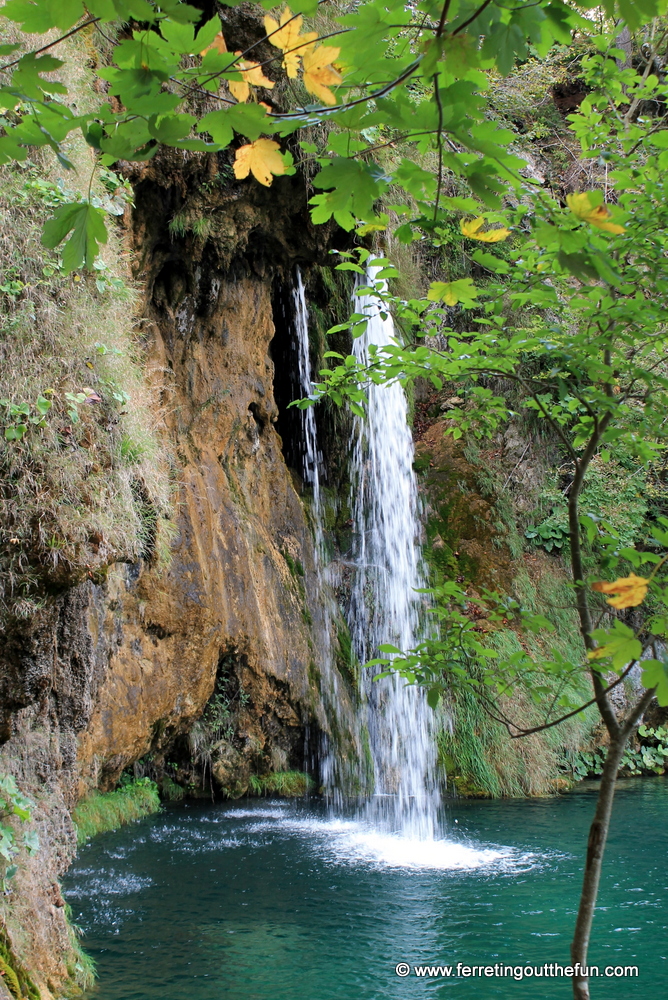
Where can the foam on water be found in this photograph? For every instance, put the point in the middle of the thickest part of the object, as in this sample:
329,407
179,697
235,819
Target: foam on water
354,842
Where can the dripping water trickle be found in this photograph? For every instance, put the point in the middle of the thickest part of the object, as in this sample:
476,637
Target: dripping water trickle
309,438
311,458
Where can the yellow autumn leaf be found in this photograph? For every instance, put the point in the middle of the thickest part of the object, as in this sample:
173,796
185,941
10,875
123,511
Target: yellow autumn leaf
473,227
319,74
599,653
596,215
285,35
218,44
371,227
630,590
251,72
262,159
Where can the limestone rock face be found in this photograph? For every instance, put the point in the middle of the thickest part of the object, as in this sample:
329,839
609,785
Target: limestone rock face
110,671
229,586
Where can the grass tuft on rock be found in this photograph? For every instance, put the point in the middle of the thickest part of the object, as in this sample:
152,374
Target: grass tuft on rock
290,784
105,811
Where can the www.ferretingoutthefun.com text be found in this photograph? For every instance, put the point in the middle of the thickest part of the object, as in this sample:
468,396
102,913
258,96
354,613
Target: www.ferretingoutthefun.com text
500,970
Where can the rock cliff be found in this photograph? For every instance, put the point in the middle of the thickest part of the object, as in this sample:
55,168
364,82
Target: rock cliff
121,665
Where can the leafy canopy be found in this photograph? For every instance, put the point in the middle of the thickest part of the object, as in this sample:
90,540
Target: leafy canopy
413,74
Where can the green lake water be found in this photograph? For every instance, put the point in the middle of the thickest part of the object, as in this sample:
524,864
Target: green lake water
275,900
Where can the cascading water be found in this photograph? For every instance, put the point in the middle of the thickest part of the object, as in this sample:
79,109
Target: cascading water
384,606
309,439
328,760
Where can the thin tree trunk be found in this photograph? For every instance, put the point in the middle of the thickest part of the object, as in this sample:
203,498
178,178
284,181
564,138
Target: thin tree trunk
598,834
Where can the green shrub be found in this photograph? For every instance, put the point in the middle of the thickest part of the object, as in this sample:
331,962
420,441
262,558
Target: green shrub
651,757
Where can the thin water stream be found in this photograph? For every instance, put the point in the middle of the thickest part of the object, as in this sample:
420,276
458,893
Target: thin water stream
270,900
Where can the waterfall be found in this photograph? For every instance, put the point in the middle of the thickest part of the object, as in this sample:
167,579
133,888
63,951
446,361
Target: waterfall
386,569
325,611
384,606
309,438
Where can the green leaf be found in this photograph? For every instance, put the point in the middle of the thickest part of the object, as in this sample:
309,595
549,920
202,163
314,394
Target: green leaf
207,33
490,262
168,129
452,292
31,841
250,120
15,432
86,224
184,13
181,37
219,127
433,697
617,644
503,43
37,18
355,187
655,674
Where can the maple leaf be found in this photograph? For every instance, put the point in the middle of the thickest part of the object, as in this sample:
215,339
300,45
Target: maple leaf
596,215
251,72
319,74
262,159
631,591
285,35
452,292
472,230
218,44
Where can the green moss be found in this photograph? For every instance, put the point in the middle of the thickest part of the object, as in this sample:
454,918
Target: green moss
106,811
465,754
16,979
368,759
80,966
170,790
294,565
346,660
314,676
290,784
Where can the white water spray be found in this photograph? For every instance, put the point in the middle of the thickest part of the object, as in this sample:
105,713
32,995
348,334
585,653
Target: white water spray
384,606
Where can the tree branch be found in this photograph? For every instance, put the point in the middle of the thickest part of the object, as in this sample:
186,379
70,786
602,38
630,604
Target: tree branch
521,733
36,52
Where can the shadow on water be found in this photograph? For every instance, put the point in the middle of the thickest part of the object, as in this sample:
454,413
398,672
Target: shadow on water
268,900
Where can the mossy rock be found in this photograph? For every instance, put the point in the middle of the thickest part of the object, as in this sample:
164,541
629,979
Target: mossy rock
15,978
